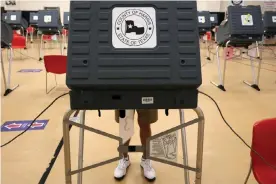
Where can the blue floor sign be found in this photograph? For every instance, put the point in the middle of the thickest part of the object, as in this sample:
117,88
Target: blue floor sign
23,125
30,70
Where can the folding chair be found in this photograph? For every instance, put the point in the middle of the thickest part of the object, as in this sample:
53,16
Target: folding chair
55,64
264,142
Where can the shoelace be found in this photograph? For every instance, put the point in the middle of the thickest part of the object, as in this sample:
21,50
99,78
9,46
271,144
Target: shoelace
122,163
147,165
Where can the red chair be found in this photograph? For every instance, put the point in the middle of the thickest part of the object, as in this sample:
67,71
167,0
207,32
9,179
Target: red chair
55,64
19,42
264,142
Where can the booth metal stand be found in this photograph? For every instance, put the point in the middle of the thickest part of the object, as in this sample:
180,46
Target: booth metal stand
7,81
207,44
69,171
221,73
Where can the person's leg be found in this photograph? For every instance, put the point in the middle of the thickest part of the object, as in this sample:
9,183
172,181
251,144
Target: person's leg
124,163
145,118
145,133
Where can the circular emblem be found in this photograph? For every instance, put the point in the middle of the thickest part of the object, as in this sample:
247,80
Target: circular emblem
134,27
237,2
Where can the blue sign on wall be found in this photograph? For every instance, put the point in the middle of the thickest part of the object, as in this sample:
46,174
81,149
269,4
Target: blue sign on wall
23,125
30,70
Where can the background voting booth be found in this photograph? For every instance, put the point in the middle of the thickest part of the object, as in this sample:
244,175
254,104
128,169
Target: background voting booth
204,22
269,39
49,23
121,56
16,21
66,20
242,29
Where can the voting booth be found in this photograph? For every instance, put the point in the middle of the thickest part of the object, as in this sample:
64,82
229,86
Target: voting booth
66,19
49,24
33,19
122,55
242,29
6,42
204,22
269,39
270,23
214,19
16,21
4,17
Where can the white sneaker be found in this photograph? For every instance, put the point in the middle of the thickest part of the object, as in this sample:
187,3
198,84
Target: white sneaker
121,169
149,172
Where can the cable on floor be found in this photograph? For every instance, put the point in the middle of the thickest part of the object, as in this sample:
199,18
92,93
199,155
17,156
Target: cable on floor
10,141
231,128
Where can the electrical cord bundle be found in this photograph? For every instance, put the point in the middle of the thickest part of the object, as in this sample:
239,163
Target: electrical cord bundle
228,125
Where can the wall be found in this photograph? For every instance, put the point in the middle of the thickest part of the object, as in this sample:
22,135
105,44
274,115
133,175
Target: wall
209,5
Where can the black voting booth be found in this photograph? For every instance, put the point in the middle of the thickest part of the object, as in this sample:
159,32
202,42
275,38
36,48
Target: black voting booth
16,21
204,22
4,17
133,55
66,18
6,41
242,28
214,19
33,19
269,20
269,39
49,23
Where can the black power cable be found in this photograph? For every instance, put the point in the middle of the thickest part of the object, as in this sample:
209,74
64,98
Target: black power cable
10,141
231,128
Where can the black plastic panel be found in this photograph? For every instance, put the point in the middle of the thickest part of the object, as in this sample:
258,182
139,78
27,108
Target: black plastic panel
96,68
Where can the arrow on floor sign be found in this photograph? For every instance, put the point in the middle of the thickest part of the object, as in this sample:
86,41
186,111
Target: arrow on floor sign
13,125
35,125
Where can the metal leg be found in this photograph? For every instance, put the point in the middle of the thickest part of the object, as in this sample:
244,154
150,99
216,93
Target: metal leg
40,47
47,92
66,41
221,76
249,173
60,41
3,72
7,83
81,146
255,78
184,147
68,171
67,156
208,51
31,34
200,140
67,152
